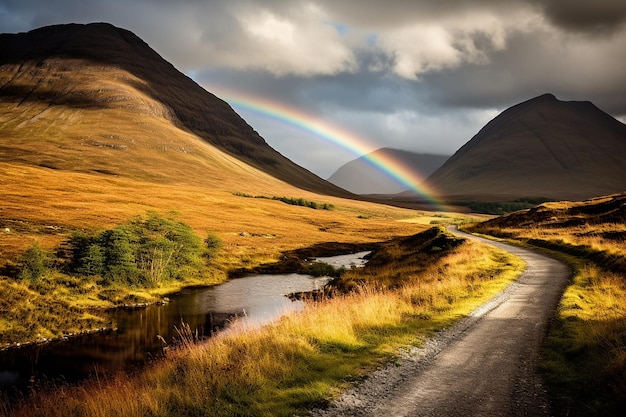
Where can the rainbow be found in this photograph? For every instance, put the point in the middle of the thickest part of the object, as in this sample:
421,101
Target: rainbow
331,134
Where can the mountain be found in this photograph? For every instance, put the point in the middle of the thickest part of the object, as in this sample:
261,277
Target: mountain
359,176
543,147
96,98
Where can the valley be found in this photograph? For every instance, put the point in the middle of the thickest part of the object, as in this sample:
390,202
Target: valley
125,184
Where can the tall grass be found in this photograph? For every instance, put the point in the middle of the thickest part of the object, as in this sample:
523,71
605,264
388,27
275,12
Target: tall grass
585,352
295,363
584,355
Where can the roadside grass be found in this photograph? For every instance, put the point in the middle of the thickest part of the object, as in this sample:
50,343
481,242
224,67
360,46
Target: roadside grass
584,354
300,361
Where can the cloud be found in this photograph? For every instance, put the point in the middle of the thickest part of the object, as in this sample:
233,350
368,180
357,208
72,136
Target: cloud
417,75
301,42
602,17
433,46
533,63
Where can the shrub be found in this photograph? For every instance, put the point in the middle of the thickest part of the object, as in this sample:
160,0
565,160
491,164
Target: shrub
85,253
321,269
93,261
119,254
143,251
34,263
292,201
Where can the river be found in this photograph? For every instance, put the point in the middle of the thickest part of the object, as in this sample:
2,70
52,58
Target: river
142,333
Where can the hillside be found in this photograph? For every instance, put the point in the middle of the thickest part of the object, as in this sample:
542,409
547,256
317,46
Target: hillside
102,98
593,229
540,148
95,130
360,177
95,127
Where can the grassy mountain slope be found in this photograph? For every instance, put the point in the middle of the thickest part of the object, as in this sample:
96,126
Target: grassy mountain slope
95,128
61,80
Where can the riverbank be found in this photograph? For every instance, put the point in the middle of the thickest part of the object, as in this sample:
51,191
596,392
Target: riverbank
53,305
300,361
80,310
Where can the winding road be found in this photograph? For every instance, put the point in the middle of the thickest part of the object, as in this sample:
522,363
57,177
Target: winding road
483,366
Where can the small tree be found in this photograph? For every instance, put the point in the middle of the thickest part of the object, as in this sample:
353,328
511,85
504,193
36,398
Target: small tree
93,261
86,254
34,263
144,251
119,254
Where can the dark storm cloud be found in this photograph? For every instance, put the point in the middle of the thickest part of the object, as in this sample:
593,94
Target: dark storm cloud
582,70
596,17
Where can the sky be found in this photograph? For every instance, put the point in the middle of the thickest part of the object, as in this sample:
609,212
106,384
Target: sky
422,76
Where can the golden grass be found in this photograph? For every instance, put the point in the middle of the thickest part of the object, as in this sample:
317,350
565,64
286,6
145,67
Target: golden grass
93,166
106,150
299,361
598,224
51,203
584,360
46,205
585,353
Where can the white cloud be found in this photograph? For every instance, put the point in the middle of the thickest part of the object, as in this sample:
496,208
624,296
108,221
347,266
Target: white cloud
420,48
429,46
301,43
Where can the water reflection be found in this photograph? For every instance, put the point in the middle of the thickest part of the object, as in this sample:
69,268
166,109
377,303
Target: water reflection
140,332
356,260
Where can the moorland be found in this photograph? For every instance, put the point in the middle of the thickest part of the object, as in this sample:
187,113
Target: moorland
117,191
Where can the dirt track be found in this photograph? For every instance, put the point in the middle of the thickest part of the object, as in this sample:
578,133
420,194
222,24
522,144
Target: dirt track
483,366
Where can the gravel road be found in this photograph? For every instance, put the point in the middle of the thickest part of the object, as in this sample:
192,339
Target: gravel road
483,366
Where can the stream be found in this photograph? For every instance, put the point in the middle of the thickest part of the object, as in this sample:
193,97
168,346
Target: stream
142,333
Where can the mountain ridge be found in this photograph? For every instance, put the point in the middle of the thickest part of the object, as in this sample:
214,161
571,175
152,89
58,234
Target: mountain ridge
360,177
542,147
50,53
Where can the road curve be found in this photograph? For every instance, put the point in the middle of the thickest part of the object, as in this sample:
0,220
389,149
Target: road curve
483,366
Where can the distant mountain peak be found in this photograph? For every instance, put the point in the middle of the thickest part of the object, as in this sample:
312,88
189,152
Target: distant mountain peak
360,177
542,147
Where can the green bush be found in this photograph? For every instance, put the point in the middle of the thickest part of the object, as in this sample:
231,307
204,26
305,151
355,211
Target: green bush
143,252
321,269
119,249
292,201
33,263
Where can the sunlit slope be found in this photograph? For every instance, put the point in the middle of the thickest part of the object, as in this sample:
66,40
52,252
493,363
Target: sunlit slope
543,147
92,135
94,120
96,98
